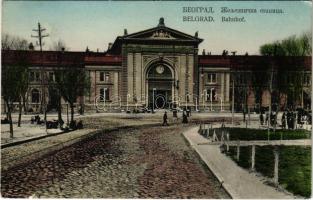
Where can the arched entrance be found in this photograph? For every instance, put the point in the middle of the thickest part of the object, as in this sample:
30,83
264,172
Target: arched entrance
160,85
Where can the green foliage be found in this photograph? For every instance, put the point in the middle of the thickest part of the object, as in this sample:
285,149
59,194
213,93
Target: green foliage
272,49
288,83
291,46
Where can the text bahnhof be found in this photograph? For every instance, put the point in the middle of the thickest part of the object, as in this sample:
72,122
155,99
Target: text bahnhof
231,10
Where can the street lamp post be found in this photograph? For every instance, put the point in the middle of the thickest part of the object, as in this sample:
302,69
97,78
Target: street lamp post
204,96
67,114
104,89
136,104
221,103
211,97
233,101
127,102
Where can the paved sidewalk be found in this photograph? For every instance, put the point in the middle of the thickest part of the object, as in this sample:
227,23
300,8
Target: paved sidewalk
25,132
238,182
26,152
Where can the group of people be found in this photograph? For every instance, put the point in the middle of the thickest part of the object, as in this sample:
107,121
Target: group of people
272,118
289,119
186,114
301,117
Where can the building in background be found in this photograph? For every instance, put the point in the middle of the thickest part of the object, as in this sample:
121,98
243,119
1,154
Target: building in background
161,68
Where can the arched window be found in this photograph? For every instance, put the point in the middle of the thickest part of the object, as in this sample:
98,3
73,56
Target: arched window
35,96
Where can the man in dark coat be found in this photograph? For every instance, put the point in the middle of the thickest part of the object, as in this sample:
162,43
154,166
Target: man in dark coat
283,120
185,120
261,119
165,119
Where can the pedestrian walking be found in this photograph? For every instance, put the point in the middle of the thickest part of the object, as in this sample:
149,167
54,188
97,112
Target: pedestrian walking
289,120
165,119
283,120
185,120
261,119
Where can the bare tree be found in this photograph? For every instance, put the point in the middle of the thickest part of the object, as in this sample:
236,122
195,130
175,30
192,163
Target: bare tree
72,82
59,46
9,42
14,77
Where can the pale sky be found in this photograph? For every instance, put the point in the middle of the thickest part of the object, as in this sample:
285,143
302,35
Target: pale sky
96,23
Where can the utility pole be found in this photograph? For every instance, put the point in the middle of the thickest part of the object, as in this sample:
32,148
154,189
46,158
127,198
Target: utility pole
39,35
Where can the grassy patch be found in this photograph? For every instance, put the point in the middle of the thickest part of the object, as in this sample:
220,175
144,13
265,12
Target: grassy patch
264,160
294,168
244,155
255,134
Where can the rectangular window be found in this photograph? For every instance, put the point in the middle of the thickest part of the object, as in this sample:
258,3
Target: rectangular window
37,75
107,77
51,76
31,76
104,93
211,77
107,94
211,93
308,79
101,76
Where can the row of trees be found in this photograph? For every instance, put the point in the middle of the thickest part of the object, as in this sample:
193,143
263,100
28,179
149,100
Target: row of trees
279,81
291,82
70,81
291,46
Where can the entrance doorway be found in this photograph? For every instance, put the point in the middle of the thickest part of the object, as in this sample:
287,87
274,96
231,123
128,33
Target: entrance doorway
161,98
160,84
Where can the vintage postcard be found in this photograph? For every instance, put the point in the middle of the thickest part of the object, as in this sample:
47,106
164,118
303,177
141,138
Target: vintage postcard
156,99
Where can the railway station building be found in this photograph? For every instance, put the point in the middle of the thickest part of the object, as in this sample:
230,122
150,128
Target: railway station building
161,68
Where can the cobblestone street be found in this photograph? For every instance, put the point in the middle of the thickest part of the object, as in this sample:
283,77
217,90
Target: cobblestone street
131,163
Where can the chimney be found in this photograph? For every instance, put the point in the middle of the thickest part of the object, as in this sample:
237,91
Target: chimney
203,52
31,47
234,53
125,32
110,46
196,34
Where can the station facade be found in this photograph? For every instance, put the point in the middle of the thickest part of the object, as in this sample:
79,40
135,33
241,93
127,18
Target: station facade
157,68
